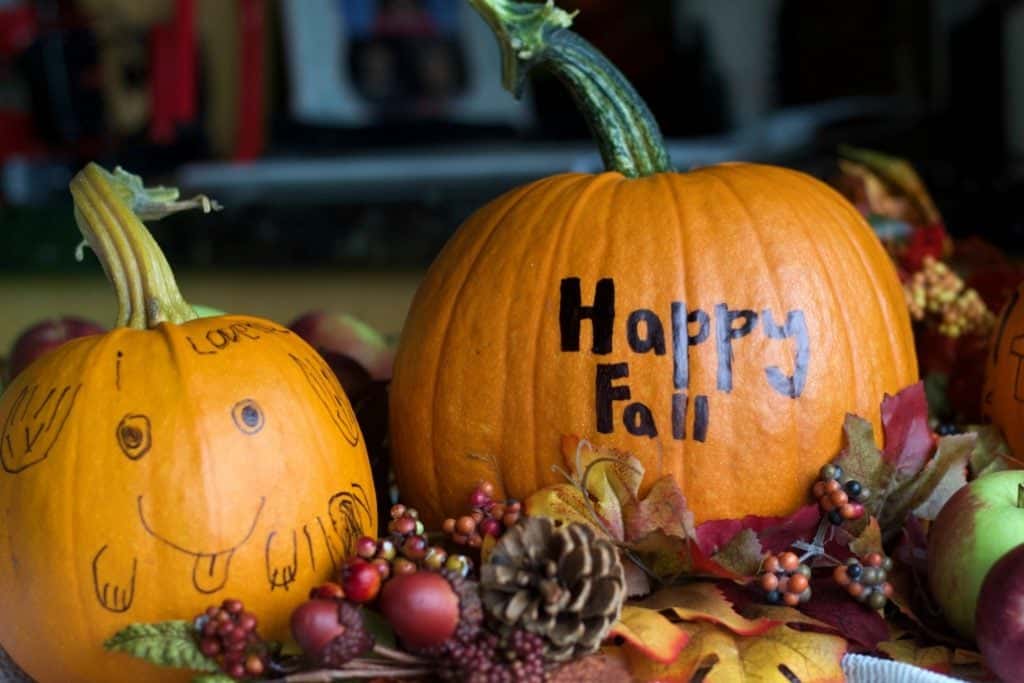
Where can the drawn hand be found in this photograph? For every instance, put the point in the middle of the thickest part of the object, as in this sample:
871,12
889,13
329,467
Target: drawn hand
282,562
33,424
113,597
327,389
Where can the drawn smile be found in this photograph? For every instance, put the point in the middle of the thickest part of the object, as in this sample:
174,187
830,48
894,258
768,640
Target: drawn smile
210,569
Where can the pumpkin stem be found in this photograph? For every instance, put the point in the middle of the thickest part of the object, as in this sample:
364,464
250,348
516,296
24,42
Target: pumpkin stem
109,209
536,35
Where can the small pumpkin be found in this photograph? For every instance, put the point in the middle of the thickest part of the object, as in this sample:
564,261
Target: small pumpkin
719,324
161,467
1003,396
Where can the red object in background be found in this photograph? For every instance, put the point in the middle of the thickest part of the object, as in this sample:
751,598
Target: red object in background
249,143
44,337
18,28
925,240
173,73
17,134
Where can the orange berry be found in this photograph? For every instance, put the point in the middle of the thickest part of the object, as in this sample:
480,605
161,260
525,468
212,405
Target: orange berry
789,561
848,511
783,584
798,583
448,527
873,560
466,525
855,588
832,485
791,599
771,563
826,504
887,589
819,489
769,582
841,577
839,498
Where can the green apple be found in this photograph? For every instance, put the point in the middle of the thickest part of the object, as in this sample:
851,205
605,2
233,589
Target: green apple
978,525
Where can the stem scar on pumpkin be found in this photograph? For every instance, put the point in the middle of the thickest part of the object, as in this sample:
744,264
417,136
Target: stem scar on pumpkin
111,596
31,431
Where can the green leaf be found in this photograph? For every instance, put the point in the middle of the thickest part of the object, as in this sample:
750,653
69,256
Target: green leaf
379,628
213,678
168,643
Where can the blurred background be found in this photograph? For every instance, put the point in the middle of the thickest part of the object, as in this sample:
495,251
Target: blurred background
347,139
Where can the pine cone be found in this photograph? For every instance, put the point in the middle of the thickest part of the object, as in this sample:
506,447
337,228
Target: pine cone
562,583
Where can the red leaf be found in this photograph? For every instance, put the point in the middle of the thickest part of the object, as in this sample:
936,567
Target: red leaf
775,533
834,606
908,439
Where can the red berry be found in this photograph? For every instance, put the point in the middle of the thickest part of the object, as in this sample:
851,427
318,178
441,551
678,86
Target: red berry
402,565
366,547
422,608
415,548
839,497
327,591
490,527
832,485
233,606
487,488
360,581
209,647
840,575
791,599
479,499
448,527
403,526
315,624
236,670
383,566
397,510
873,560
247,621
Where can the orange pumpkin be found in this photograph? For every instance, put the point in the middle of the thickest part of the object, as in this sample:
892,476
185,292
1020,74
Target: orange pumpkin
719,324
1003,397
164,466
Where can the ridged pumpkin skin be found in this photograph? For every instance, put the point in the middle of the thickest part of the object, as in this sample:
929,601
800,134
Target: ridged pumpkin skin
1003,398
484,390
168,470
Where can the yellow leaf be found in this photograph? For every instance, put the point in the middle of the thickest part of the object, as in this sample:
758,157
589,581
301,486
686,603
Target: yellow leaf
934,658
703,601
562,503
650,633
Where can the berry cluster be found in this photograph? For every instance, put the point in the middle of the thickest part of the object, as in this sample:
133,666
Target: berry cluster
488,658
937,291
228,635
405,551
487,517
866,580
840,498
784,578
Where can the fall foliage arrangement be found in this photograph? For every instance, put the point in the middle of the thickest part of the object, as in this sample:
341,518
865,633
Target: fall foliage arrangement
697,426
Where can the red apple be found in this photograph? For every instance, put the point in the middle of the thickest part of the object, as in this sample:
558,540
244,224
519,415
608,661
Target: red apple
978,525
999,627
340,333
46,336
421,607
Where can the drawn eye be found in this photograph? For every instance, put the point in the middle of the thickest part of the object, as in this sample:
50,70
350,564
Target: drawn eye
248,416
134,435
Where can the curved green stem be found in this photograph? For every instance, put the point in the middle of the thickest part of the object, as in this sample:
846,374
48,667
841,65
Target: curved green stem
536,35
108,209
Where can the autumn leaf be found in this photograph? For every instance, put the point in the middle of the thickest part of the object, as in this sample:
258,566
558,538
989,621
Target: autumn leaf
931,488
663,509
704,601
906,649
742,555
833,606
862,460
650,633
775,534
991,452
908,438
563,503
716,655
899,175
869,540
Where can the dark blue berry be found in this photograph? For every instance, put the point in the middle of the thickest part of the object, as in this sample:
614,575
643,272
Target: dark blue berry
835,517
774,597
947,429
839,472
854,571
853,488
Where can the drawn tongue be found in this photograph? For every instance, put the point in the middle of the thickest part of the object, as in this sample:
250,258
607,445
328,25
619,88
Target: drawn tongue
210,572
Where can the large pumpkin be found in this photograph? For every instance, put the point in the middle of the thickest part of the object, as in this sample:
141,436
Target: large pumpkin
1003,397
164,466
718,324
